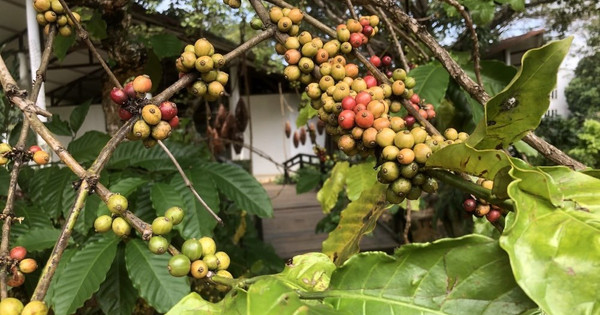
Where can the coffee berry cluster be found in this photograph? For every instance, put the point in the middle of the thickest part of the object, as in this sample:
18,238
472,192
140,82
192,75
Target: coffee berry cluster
50,12
13,306
157,120
480,207
201,57
35,153
19,266
199,257
363,115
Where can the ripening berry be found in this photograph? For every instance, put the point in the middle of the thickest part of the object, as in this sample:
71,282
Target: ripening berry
16,279
161,226
103,223
11,306
28,265
208,246
158,245
223,260
120,227
35,308
41,157
142,84
175,214
117,203
18,253
199,269
192,249
151,114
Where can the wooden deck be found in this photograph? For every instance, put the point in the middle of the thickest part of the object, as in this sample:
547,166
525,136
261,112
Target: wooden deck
291,231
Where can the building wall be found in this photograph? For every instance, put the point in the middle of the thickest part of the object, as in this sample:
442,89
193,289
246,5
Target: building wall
267,130
268,121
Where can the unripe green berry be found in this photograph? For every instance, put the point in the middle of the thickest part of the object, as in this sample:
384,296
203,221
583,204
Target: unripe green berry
161,226
223,260
103,223
208,246
120,227
179,265
175,214
192,249
117,203
158,245
211,261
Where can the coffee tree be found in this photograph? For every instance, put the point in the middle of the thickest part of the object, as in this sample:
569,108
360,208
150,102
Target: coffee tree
162,205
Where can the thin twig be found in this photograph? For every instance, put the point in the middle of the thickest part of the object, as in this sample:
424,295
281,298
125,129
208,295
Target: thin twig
471,27
111,146
188,183
20,160
407,224
399,50
351,8
83,34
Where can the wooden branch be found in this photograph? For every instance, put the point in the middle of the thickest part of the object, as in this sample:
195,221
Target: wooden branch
458,74
111,146
40,74
63,240
397,45
471,28
83,34
351,8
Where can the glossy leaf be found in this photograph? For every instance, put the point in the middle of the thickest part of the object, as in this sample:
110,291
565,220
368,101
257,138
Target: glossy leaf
85,272
166,45
432,81
305,114
38,239
359,178
309,272
578,187
328,194
58,126
519,108
554,250
117,294
149,275
78,115
308,179
468,275
62,45
96,26
64,261
197,222
164,196
133,154
241,187
86,148
358,219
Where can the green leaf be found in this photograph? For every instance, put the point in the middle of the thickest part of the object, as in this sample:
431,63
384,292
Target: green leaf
58,126
78,115
85,272
468,275
4,181
432,82
133,154
304,115
150,277
517,5
358,219
308,179
554,250
197,221
361,177
519,108
164,196
309,272
53,189
16,133
328,194
86,148
38,239
64,261
166,45
96,26
153,68
241,187
193,303
117,294
62,45
577,187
